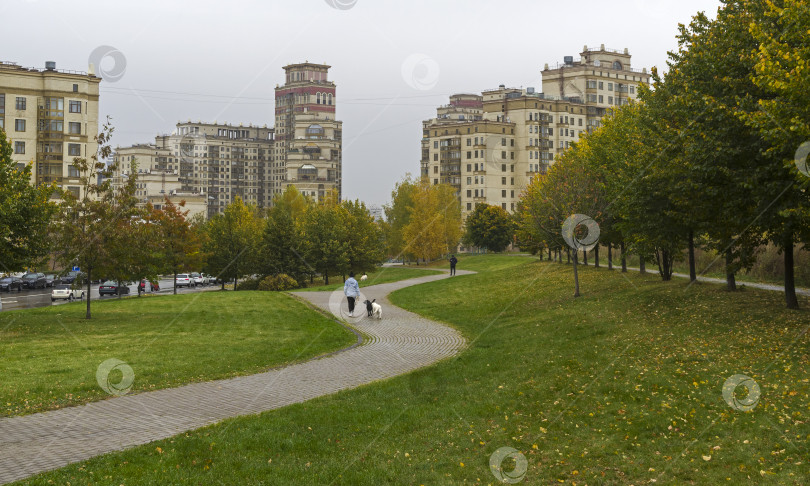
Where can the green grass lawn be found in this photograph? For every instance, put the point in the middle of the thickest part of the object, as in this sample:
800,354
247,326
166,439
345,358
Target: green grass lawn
621,386
378,276
50,355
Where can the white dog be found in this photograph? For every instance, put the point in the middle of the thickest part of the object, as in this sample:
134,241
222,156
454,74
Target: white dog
373,308
364,278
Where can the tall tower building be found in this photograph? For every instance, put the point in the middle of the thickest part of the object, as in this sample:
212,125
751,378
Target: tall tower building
51,117
308,138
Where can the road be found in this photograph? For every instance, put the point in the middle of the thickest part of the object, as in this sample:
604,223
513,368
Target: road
28,299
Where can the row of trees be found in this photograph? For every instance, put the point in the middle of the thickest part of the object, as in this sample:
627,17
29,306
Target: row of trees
296,237
104,231
712,156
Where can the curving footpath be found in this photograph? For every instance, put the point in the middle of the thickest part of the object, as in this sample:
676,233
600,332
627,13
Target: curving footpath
399,343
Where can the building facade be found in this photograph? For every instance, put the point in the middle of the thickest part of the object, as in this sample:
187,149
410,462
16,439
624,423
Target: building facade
490,146
309,140
51,117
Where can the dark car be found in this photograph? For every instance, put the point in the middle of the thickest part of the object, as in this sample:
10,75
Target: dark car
111,287
71,277
50,280
10,283
34,280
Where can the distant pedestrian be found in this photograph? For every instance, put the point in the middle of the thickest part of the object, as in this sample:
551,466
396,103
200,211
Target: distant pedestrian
453,261
352,291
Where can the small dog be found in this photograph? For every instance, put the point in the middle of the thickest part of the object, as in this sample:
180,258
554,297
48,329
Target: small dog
364,278
373,308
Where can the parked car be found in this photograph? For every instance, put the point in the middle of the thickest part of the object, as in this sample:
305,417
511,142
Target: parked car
184,280
153,286
111,287
211,279
65,292
51,280
197,278
10,283
71,277
34,280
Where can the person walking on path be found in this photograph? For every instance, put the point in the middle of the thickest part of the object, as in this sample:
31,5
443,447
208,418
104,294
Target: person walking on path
352,291
453,262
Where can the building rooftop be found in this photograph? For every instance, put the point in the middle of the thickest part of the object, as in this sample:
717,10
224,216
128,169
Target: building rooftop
49,68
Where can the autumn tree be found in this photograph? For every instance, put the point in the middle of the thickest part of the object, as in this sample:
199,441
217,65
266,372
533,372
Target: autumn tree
366,246
180,246
397,217
434,226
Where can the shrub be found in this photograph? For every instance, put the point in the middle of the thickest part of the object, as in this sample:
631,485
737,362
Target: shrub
248,284
280,282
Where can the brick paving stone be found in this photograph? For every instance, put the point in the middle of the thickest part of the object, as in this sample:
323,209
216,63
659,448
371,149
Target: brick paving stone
399,343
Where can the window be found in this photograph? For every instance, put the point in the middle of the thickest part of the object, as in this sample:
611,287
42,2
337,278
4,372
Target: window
503,142
469,154
469,205
435,157
2,123
610,100
19,125
512,168
75,128
435,144
601,85
503,193
503,167
503,181
469,168
601,99
19,147
632,89
469,141
503,154
72,171
74,149
469,191
435,169
2,104
610,86
591,84
75,106
503,205
435,182
20,103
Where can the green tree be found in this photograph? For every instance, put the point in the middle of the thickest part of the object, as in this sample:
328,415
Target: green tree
85,227
326,242
282,248
25,215
364,237
232,242
489,227
397,217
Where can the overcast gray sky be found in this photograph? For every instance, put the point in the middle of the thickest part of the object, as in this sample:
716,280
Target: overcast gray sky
393,61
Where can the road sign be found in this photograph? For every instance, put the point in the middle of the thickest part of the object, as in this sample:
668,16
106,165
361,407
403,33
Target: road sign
75,269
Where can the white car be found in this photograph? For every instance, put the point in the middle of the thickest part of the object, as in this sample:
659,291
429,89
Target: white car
64,292
183,280
197,279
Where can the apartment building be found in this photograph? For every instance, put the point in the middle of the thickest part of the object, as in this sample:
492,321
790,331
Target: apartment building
217,160
490,146
308,139
51,117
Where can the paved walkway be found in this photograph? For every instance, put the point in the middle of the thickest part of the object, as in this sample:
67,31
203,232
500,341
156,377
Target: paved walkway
399,343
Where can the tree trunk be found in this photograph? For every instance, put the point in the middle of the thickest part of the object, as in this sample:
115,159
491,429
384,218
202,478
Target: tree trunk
692,272
326,277
568,254
790,285
235,282
642,265
624,258
174,283
596,256
585,257
731,281
89,273
549,254
610,256
576,277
